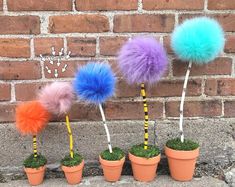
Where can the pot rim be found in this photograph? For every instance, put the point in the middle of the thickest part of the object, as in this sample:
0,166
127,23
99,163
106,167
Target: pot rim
112,162
181,154
144,161
73,168
35,170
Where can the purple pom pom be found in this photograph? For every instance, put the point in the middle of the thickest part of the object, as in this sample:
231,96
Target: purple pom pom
57,97
142,60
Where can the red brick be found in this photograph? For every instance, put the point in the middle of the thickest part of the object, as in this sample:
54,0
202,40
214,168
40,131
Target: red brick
7,112
82,46
195,108
19,25
43,45
230,44
173,4
123,110
79,23
20,70
222,87
109,46
5,92
84,112
221,5
145,23
29,5
220,66
106,5
227,20
229,108
164,88
27,91
167,44
1,4
14,47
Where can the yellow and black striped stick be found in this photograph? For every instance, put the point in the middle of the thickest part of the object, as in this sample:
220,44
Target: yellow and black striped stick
70,136
146,117
35,152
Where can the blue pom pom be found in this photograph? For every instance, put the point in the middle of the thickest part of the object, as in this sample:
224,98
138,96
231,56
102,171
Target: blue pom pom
198,40
94,82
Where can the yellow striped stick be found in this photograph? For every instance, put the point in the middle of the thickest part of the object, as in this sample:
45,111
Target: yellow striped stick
146,117
35,152
70,136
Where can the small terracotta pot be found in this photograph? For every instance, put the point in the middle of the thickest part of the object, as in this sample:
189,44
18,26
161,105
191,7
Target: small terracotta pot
144,169
73,174
181,163
112,169
35,175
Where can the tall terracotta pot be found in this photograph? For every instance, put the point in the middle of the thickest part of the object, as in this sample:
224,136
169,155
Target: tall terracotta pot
181,163
35,175
73,174
144,169
112,169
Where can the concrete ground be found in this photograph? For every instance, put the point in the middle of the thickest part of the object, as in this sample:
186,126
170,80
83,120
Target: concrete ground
126,181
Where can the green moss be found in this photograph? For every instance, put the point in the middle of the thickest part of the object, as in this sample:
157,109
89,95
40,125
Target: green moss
187,145
32,162
70,162
138,150
117,154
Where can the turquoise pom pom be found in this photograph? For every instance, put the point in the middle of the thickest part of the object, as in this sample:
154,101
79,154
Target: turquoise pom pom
199,40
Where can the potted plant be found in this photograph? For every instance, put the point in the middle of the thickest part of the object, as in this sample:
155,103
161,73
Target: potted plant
95,83
31,119
57,98
142,61
198,41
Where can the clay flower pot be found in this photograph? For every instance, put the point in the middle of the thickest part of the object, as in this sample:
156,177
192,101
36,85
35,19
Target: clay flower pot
144,169
35,175
181,163
112,169
73,174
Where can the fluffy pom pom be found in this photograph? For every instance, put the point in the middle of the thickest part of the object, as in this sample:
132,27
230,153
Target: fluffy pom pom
95,82
31,117
198,40
142,60
57,97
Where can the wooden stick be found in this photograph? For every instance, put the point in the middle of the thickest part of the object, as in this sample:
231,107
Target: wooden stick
182,102
35,152
106,128
146,117
70,136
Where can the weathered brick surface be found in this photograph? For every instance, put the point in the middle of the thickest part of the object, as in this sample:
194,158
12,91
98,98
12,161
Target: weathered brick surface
7,112
106,5
145,23
221,5
173,4
5,93
79,23
82,46
31,5
44,45
229,45
220,66
20,70
19,25
229,108
14,47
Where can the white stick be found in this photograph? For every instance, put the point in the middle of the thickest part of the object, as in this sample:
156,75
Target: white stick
182,102
106,128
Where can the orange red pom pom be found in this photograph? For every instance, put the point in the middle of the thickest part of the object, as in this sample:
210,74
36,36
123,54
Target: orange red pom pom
31,117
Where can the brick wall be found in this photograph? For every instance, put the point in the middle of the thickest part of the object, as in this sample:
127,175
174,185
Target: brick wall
95,30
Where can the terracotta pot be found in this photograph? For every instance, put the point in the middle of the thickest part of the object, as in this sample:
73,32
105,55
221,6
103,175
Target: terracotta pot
35,175
73,174
144,169
181,163
112,169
